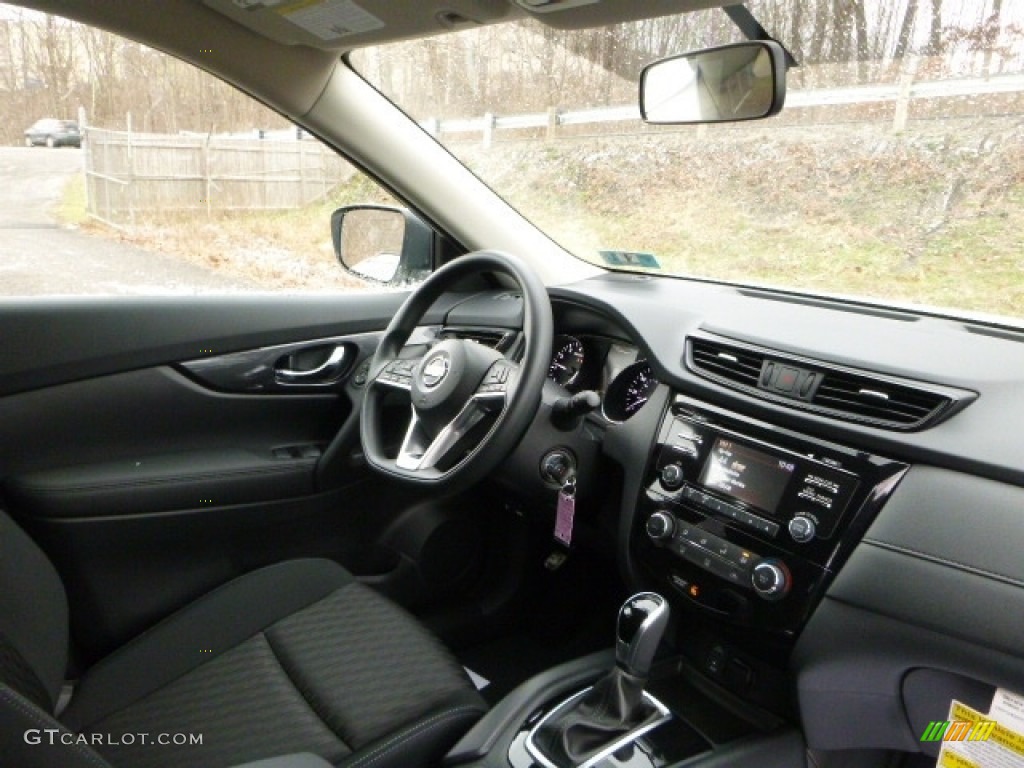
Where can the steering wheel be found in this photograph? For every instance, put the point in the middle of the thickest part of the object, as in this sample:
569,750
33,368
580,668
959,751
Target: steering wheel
470,404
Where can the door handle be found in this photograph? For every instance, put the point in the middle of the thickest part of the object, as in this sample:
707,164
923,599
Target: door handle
325,373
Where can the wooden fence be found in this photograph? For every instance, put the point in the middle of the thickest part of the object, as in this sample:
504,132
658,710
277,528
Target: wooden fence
902,95
134,173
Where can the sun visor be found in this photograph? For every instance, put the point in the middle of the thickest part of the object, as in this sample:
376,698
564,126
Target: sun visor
346,24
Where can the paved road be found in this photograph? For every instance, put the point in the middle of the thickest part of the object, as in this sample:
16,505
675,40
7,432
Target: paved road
38,256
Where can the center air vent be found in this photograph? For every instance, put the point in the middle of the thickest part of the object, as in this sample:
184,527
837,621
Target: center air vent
873,399
730,364
842,393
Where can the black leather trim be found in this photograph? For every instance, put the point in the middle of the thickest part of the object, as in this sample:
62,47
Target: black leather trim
161,483
218,621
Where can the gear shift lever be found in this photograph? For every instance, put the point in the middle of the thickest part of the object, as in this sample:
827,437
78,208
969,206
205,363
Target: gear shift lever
615,706
642,622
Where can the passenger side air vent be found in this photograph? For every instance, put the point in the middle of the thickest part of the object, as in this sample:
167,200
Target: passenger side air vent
875,400
726,363
831,390
495,339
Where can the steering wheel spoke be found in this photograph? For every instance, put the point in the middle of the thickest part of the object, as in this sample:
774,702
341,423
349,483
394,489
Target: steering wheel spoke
420,452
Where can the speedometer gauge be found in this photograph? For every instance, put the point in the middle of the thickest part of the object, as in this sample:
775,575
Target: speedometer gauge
566,361
629,391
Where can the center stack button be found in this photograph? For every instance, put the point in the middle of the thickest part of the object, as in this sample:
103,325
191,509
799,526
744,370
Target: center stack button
672,477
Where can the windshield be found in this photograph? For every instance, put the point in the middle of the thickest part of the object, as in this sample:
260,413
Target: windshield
895,171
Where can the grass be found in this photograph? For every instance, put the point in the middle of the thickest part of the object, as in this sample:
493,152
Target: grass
71,210
929,217
267,250
925,218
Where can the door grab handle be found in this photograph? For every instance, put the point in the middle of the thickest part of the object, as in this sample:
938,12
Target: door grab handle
325,373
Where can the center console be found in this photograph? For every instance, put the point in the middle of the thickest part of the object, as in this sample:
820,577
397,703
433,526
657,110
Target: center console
739,526
746,523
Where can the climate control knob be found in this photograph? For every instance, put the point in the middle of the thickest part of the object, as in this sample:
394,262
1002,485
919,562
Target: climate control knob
771,579
802,529
661,526
672,477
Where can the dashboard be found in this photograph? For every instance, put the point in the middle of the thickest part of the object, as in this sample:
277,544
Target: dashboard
830,494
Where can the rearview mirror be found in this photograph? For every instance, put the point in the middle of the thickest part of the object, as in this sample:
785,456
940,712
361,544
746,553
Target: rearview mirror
382,244
744,81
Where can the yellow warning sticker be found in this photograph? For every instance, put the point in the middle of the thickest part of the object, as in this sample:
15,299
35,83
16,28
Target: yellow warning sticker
949,759
971,739
330,19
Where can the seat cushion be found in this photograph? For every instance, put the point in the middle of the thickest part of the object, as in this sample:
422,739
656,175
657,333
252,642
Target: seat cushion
297,657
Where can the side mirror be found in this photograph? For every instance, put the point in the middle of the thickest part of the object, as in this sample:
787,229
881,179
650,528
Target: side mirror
382,244
744,81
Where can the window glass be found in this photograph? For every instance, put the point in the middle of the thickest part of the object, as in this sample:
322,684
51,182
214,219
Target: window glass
161,179
894,171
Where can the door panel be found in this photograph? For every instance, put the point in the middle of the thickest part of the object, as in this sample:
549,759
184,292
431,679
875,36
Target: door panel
148,484
151,412
53,341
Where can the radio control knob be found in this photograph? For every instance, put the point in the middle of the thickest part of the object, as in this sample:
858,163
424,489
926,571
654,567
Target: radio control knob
802,529
661,526
672,476
771,579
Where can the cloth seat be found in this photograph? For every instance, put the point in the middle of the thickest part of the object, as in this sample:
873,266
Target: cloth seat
295,657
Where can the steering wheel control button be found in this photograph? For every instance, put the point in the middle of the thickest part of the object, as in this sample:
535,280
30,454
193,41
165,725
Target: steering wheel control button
802,529
661,526
496,380
771,579
398,372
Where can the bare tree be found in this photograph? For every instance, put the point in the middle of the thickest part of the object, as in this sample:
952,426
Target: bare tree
935,29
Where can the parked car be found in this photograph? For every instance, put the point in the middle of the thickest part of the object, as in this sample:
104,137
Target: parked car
53,133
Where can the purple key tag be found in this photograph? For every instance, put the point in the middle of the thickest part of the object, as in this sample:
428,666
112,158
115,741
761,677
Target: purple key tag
565,512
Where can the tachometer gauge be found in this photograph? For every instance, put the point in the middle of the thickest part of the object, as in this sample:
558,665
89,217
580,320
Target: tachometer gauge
566,361
629,391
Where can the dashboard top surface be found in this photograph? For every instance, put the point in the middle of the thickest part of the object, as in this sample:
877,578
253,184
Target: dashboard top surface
658,314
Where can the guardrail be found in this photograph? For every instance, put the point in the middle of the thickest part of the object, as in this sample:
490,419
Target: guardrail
901,93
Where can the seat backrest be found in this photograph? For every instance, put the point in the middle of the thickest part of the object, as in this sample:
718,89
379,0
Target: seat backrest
33,657
33,619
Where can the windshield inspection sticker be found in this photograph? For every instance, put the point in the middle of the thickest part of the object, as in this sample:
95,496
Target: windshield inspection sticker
330,19
971,739
254,5
630,259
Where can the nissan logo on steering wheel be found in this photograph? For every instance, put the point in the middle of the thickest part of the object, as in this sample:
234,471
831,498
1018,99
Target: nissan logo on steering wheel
435,370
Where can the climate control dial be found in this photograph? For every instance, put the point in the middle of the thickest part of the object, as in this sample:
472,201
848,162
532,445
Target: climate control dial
661,526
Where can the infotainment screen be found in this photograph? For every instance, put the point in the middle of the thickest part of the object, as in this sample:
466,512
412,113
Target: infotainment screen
749,475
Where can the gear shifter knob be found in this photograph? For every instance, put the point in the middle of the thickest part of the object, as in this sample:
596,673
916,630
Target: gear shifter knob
641,624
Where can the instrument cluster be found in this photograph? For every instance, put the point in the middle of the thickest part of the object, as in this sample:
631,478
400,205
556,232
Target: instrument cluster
613,369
